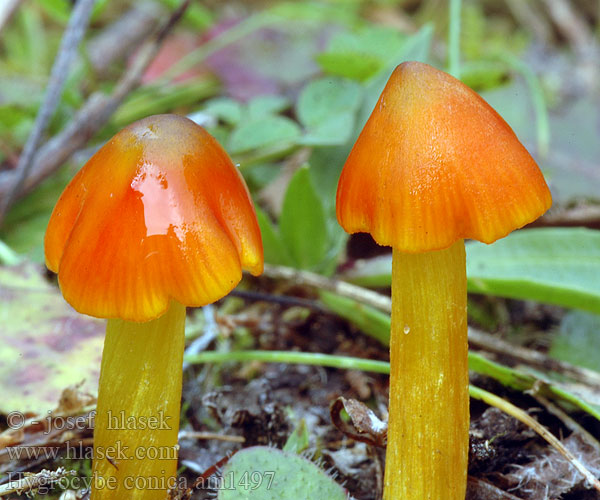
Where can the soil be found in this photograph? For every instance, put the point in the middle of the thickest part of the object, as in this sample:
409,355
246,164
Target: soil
263,403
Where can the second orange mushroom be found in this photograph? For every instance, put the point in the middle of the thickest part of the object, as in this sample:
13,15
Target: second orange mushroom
433,165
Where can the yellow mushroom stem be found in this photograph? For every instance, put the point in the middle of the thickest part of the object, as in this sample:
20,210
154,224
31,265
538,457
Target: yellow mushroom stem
428,430
137,418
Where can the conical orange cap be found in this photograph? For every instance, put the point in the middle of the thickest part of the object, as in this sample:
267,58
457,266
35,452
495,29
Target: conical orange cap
434,164
159,213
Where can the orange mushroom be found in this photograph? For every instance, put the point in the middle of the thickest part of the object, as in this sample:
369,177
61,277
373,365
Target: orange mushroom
433,165
159,218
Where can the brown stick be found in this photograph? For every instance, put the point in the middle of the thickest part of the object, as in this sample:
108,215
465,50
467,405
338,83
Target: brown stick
360,294
124,36
530,357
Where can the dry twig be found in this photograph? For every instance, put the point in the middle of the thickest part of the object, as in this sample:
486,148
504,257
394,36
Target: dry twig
368,297
569,422
582,215
121,38
530,357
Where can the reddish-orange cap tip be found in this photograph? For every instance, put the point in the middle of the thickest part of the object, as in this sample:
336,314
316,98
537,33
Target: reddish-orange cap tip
158,213
434,164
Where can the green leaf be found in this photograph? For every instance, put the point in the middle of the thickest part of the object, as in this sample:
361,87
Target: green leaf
577,341
363,54
321,99
266,105
262,473
155,99
99,8
302,222
274,249
337,239
16,122
259,175
327,108
58,10
196,15
35,38
351,65
553,265
8,257
297,441
220,132
325,167
482,75
224,109
415,48
316,12
263,132
333,131
556,265
418,46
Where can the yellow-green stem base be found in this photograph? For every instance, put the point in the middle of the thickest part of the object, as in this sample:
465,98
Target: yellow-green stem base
137,418
428,430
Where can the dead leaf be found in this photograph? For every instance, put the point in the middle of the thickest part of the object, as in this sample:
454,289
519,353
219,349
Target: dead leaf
46,345
366,426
